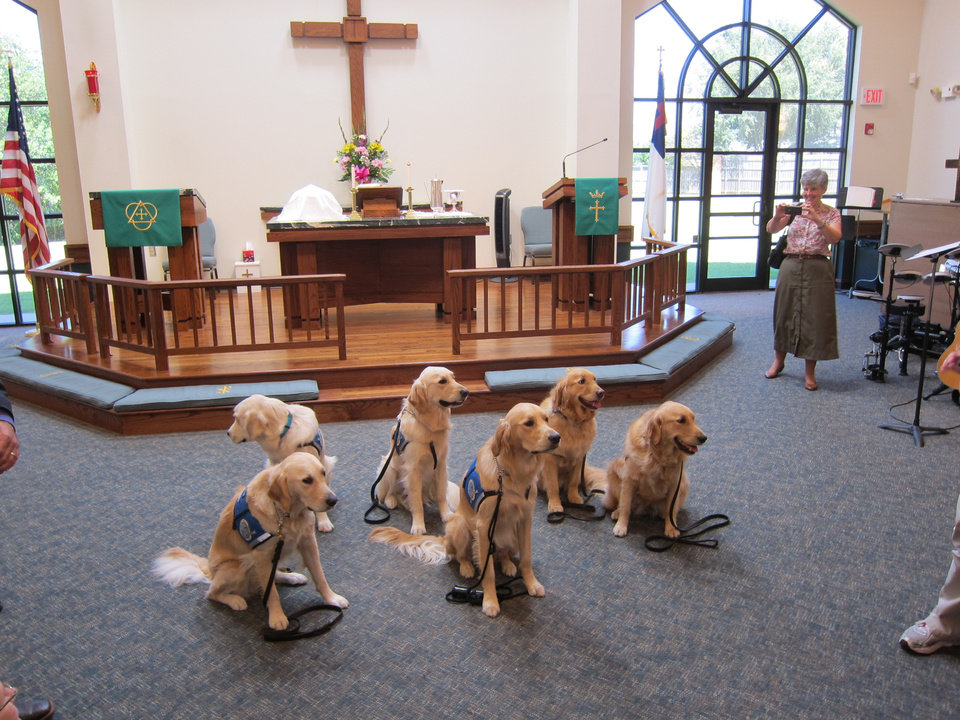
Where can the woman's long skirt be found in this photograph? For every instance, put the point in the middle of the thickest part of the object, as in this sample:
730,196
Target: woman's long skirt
805,309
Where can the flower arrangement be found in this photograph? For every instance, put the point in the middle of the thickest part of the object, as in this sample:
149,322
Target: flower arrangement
366,159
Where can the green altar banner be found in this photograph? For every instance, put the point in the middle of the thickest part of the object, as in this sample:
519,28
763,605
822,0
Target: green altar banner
141,218
597,206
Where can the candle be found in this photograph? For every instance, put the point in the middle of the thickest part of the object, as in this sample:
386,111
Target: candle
353,177
409,179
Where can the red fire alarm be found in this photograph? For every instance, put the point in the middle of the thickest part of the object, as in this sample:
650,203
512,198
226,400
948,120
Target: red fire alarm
868,129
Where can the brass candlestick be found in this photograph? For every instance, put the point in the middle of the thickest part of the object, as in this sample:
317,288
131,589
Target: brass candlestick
409,214
354,215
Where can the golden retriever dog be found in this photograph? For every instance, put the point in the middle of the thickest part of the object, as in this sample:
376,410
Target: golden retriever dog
280,501
281,429
657,446
572,408
506,469
417,466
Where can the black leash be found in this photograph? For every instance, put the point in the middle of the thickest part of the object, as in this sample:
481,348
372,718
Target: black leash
375,504
579,511
293,631
505,591
687,536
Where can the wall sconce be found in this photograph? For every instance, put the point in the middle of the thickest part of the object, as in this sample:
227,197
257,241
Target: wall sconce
93,85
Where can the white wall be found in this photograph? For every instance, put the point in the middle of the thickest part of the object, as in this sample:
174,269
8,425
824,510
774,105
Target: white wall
217,96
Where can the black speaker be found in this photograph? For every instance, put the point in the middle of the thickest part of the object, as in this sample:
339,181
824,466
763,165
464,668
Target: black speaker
501,227
845,252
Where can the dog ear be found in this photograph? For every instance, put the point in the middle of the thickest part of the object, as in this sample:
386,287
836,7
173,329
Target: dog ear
652,431
277,488
500,438
418,394
329,462
556,395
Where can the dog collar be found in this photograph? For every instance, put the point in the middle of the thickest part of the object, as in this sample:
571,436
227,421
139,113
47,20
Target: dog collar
246,524
474,489
400,442
316,444
286,428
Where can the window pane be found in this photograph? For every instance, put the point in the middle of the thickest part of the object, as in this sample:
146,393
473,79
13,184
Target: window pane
787,134
36,121
688,228
785,18
823,127
824,52
828,162
6,301
48,183
691,121
691,173
25,292
705,17
766,88
785,188
655,29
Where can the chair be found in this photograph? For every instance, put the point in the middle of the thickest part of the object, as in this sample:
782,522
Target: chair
207,237
536,223
501,226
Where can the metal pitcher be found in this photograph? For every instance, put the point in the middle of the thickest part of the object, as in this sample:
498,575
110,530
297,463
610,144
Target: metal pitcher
435,192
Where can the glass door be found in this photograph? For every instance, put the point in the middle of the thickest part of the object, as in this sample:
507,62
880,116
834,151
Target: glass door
739,170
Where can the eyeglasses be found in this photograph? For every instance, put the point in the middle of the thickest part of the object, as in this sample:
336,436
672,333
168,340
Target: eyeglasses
9,699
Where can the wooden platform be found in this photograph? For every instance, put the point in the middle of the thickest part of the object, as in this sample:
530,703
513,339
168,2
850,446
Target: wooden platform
388,346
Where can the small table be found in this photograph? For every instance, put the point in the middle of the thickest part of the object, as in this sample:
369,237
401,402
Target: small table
246,270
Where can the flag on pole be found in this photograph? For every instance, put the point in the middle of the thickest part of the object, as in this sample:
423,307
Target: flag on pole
655,201
18,180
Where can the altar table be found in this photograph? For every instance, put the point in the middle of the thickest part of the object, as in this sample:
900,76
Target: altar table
394,260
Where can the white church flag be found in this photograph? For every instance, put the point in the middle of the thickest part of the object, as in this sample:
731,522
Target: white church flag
655,200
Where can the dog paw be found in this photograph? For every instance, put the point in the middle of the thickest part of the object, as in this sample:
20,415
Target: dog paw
234,602
278,621
508,568
535,589
323,524
620,530
491,608
291,578
418,530
554,507
339,600
390,501
670,531
466,569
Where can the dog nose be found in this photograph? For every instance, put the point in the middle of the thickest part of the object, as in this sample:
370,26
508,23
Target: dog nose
463,393
554,439
600,393
702,438
331,500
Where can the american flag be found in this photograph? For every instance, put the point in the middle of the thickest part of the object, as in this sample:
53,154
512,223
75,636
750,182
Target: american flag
18,180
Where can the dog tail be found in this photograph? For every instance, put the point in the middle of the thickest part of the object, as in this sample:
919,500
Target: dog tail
595,480
179,567
428,549
453,496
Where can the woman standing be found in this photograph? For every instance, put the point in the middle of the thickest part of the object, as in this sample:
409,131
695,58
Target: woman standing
805,308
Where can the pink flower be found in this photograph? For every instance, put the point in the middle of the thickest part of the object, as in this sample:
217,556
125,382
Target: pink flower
362,174
377,163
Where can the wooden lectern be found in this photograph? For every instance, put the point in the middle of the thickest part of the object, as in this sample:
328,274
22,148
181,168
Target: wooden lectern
185,263
572,249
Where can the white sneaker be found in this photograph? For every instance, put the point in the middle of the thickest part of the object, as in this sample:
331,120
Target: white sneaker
920,638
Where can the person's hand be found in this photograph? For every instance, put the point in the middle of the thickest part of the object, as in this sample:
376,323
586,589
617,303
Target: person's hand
951,362
9,446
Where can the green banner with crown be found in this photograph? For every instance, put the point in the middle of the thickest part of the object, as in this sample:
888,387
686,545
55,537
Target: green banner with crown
597,206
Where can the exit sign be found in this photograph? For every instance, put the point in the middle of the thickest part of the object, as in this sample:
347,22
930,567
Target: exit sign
871,96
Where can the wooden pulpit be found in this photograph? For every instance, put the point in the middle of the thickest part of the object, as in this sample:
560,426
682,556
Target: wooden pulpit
185,262
572,249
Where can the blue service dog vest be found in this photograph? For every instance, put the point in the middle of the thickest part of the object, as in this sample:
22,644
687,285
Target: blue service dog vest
246,524
474,489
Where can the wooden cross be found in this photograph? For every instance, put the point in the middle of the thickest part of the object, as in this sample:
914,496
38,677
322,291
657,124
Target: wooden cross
355,31
955,165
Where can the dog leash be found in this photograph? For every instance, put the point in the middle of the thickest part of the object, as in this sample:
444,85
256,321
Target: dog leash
579,511
470,594
293,631
375,504
687,536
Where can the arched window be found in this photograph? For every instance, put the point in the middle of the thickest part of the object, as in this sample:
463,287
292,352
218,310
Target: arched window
20,41
757,92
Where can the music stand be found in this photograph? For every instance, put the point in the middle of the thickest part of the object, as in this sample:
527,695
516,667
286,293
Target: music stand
916,429
855,197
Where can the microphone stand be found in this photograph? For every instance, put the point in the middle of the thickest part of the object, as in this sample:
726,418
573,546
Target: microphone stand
578,151
916,429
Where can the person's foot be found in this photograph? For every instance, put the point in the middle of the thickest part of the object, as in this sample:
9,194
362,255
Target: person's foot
34,709
922,638
810,384
774,370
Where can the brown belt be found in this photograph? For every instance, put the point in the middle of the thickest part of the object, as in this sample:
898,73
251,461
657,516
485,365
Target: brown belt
805,255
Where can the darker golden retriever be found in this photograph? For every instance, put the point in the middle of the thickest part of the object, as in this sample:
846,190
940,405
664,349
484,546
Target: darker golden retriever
417,467
571,408
502,484
655,452
279,502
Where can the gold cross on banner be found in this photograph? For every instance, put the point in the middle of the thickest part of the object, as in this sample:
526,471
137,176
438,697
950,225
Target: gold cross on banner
597,207
954,164
355,31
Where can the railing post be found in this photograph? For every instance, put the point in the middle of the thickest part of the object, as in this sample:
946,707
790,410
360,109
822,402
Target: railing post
456,293
154,309
341,325
618,289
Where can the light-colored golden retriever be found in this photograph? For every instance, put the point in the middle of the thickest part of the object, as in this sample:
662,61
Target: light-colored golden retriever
417,469
572,408
654,456
281,429
508,463
280,499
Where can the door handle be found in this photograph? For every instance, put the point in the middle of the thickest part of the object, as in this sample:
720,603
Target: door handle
756,213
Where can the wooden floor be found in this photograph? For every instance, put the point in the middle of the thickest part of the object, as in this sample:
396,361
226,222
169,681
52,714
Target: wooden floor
387,347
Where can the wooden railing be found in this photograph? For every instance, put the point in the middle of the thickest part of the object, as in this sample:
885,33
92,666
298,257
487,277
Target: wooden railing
63,303
567,300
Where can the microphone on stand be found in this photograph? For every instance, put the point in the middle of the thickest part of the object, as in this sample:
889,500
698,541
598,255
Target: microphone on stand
578,151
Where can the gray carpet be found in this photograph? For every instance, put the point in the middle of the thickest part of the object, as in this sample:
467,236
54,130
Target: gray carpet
840,538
